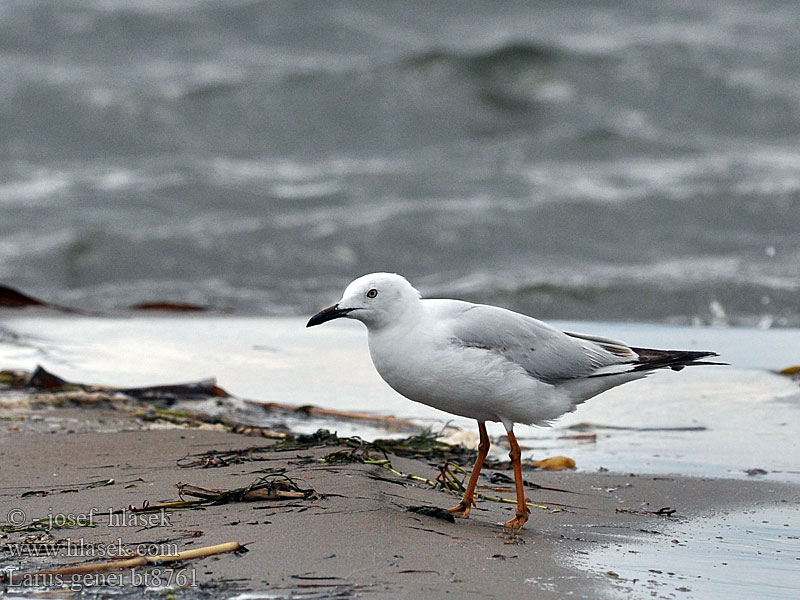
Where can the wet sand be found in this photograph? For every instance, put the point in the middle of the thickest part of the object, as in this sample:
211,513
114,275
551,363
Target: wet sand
354,538
749,413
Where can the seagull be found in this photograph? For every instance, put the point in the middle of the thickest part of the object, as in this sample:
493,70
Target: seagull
488,363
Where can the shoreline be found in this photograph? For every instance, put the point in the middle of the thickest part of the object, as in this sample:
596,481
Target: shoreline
610,534
353,537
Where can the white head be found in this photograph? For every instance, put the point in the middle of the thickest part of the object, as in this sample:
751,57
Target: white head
377,299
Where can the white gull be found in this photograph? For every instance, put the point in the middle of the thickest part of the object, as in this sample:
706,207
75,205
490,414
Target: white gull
488,363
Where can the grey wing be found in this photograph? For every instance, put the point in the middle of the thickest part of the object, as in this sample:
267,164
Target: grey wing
542,350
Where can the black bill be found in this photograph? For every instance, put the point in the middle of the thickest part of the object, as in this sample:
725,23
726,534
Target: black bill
328,314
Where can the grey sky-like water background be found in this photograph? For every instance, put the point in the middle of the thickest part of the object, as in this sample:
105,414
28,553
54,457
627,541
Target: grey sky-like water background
593,160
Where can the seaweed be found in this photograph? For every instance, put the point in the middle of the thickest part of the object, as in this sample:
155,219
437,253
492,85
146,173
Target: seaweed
427,445
273,486
44,381
433,511
223,458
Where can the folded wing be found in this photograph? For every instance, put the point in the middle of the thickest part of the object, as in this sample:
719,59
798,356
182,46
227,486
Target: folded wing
554,356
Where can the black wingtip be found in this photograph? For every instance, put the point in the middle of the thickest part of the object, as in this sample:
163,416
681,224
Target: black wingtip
650,359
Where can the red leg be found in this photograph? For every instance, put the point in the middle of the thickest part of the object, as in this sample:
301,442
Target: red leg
522,507
463,508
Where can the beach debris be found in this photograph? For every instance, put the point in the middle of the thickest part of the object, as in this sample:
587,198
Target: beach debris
321,437
198,419
274,486
43,380
377,477
588,438
11,298
224,458
352,450
554,463
140,561
57,391
68,488
169,306
308,577
433,511
531,464
359,453
756,471
388,421
451,477
446,481
502,478
793,372
429,530
13,378
184,391
664,511
586,426
427,444
146,507
256,431
14,298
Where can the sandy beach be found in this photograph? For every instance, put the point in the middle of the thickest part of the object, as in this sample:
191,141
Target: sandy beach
693,496
352,537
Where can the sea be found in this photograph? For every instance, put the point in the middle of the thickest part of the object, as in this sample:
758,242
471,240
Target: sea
634,161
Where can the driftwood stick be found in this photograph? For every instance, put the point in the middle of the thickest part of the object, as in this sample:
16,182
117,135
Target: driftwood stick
330,412
262,493
138,561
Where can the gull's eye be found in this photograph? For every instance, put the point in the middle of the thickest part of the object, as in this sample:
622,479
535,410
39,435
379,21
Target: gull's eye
372,293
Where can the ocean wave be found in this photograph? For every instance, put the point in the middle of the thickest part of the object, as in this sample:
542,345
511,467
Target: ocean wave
580,160
38,189
31,187
695,290
287,171
767,171
510,56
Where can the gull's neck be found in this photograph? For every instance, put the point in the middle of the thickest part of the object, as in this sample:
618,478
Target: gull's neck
411,315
